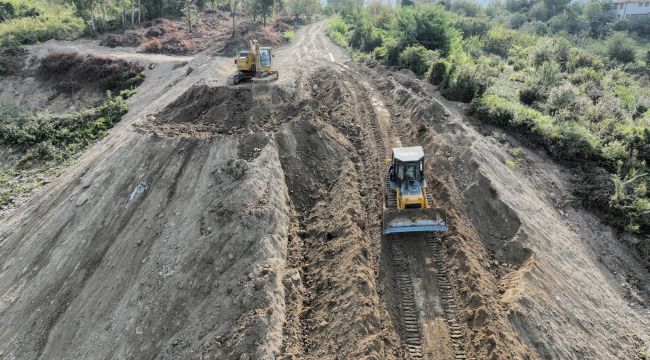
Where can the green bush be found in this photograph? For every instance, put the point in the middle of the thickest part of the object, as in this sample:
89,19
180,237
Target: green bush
417,58
564,97
364,36
438,72
471,26
337,25
430,26
529,94
48,137
53,22
289,34
328,10
390,50
621,48
464,83
499,40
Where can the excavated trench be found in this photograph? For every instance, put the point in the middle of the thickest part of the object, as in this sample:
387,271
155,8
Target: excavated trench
244,222
342,289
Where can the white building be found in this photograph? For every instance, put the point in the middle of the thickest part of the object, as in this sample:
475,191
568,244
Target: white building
632,9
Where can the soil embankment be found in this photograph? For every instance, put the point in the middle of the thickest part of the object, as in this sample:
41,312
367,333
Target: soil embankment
243,222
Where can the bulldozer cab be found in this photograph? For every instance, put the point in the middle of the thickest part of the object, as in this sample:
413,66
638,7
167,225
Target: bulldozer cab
409,209
407,177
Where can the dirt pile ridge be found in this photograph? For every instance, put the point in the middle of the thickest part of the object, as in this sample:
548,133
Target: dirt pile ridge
243,222
530,275
174,242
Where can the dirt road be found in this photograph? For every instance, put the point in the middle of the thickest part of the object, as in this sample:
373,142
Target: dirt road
243,222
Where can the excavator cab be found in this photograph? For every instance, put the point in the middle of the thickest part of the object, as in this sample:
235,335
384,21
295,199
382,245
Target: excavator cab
407,204
256,62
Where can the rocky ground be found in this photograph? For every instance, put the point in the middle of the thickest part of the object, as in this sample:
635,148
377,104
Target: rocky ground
243,222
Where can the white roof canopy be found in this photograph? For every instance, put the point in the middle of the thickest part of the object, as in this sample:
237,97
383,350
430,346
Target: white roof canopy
406,154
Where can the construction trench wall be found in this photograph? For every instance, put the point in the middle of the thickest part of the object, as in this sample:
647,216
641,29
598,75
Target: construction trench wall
211,228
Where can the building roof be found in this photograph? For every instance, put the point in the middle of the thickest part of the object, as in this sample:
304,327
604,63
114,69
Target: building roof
413,153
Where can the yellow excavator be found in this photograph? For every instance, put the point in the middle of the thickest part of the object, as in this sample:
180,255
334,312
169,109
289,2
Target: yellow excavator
407,205
256,62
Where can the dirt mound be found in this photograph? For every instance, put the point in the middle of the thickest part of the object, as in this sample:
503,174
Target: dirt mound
129,38
205,111
109,73
523,262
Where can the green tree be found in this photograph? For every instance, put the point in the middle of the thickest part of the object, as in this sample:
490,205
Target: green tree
265,8
431,26
555,6
593,11
191,14
621,48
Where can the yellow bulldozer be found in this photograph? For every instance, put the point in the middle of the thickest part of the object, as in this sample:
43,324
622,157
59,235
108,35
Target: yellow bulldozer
256,62
407,205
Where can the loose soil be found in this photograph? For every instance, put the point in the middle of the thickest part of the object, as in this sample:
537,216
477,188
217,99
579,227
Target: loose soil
243,222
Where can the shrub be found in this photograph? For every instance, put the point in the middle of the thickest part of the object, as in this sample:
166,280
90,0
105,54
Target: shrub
614,151
438,72
471,26
621,48
430,25
50,137
417,58
564,97
538,11
574,142
469,8
364,36
534,27
516,20
499,40
464,83
529,94
328,10
542,52
390,50
152,46
54,22
289,34
337,25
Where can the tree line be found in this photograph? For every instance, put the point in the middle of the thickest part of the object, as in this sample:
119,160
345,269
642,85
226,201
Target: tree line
110,14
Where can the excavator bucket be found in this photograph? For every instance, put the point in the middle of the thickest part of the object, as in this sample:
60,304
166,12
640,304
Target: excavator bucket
414,220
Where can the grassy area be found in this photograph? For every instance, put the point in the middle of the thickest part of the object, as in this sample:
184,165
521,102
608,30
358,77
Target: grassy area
27,22
36,145
565,75
41,142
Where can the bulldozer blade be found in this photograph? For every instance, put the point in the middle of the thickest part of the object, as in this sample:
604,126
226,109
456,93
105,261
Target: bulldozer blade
414,220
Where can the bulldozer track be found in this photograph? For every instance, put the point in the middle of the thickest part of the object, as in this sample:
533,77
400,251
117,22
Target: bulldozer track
404,274
408,308
447,296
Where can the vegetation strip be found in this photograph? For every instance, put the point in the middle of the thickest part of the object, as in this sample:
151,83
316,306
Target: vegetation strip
563,74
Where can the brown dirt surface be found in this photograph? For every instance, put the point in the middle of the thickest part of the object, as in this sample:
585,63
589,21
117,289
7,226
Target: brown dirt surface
244,222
